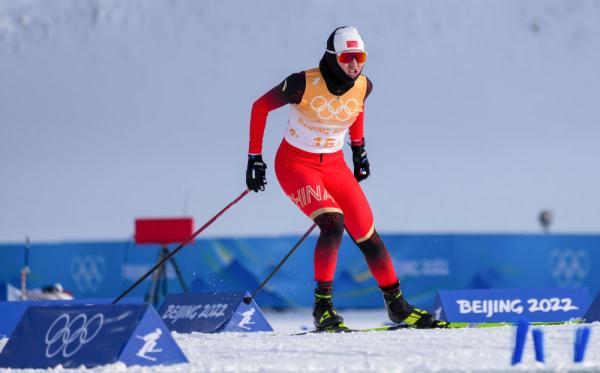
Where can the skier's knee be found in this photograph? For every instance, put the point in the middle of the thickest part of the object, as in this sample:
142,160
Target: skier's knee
372,246
331,223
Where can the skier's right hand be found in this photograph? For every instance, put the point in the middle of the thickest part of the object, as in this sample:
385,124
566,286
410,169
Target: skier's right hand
362,168
256,173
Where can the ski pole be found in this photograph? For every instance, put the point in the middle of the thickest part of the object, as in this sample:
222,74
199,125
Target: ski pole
248,299
188,240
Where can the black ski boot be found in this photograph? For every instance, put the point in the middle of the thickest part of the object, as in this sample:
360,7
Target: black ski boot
401,312
324,315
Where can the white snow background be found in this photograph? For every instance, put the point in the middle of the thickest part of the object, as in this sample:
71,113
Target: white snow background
482,114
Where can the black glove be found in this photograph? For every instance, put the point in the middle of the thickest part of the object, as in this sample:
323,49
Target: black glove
361,163
256,173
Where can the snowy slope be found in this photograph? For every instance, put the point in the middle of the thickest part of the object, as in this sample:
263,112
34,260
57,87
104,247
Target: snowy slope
482,114
465,350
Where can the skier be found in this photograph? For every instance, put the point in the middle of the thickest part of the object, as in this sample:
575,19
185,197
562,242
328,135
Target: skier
326,102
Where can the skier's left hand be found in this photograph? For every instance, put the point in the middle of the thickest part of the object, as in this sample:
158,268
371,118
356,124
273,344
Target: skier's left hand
361,163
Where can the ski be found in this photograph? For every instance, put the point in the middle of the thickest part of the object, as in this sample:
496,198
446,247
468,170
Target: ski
335,330
455,325
385,328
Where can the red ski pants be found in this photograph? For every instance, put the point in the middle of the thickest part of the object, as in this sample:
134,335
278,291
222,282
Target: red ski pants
320,183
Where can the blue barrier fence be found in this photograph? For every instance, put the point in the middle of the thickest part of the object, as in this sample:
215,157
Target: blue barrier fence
425,263
74,335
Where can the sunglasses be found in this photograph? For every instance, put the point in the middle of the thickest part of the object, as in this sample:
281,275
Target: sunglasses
347,57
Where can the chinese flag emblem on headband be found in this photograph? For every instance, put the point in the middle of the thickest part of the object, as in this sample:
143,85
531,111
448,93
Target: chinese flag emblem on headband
351,44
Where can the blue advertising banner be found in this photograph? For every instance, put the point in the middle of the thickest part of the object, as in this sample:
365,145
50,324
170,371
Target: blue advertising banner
13,311
511,305
212,312
73,336
425,264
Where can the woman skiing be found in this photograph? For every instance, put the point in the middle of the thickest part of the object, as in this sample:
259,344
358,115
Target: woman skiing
325,103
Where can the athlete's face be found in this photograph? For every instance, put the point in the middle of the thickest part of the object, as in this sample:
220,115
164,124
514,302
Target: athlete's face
352,68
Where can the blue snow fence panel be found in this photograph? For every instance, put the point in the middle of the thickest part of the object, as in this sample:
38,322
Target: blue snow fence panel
13,311
247,318
90,335
212,312
152,343
593,313
511,305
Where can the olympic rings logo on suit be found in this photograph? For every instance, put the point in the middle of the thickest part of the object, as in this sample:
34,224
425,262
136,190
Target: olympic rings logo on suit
67,336
88,272
569,267
335,108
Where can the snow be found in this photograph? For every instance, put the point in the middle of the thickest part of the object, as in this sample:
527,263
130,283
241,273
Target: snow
469,350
